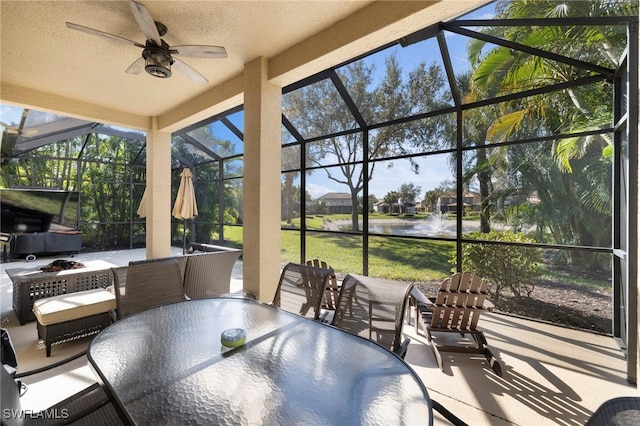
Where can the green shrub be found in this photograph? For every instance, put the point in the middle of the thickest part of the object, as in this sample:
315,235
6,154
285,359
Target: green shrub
503,266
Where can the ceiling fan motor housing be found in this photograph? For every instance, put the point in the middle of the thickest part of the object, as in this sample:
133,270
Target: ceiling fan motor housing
158,60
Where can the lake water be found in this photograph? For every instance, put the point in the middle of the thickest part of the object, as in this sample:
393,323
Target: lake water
417,228
430,227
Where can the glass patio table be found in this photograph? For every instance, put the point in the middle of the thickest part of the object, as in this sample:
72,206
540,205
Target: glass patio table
167,366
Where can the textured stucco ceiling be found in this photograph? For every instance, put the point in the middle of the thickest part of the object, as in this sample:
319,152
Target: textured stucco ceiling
47,66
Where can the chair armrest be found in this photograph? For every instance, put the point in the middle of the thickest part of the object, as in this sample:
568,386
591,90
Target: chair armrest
455,420
401,351
326,315
421,298
323,315
488,305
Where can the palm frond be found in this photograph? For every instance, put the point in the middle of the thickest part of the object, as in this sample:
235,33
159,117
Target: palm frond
486,71
505,126
566,149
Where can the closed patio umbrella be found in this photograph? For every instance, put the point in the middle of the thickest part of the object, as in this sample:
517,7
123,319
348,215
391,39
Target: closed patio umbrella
185,206
142,212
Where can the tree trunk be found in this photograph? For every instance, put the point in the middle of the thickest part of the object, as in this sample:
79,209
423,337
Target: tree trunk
484,178
355,226
288,188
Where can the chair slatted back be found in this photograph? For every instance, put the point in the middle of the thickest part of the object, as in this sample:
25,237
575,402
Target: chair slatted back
460,319
301,289
459,302
332,291
462,289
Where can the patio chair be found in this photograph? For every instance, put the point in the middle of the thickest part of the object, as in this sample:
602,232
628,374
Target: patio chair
301,288
331,293
456,309
209,274
91,406
182,262
620,411
147,285
373,308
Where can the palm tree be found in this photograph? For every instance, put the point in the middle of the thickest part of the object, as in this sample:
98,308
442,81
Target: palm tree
476,126
391,198
575,193
503,70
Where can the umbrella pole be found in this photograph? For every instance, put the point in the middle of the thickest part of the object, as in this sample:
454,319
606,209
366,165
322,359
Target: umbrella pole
184,236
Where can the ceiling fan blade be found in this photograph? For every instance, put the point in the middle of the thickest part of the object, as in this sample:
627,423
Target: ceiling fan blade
102,34
137,66
145,22
192,74
200,51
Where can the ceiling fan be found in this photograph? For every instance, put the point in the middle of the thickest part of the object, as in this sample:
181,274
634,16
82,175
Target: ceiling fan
157,56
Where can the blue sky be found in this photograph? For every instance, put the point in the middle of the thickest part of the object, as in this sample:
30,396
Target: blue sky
9,115
434,170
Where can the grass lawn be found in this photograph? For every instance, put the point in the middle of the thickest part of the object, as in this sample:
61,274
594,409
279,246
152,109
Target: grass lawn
402,259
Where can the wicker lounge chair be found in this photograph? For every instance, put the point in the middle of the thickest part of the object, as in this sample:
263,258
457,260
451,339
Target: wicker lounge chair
374,308
301,288
456,309
147,285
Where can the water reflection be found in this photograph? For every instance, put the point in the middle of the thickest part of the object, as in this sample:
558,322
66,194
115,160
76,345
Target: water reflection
425,227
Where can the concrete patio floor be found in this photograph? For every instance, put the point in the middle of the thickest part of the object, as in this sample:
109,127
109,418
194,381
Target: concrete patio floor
551,375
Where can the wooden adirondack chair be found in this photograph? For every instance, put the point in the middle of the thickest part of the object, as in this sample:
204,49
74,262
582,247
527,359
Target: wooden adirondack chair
331,293
455,309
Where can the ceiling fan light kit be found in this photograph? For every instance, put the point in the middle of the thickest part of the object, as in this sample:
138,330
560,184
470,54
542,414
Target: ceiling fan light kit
157,57
158,61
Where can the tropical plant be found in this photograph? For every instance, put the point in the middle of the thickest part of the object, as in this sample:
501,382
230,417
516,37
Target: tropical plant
505,267
503,70
575,192
391,198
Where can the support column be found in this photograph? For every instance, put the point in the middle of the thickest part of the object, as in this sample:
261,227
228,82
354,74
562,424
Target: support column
261,197
158,195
